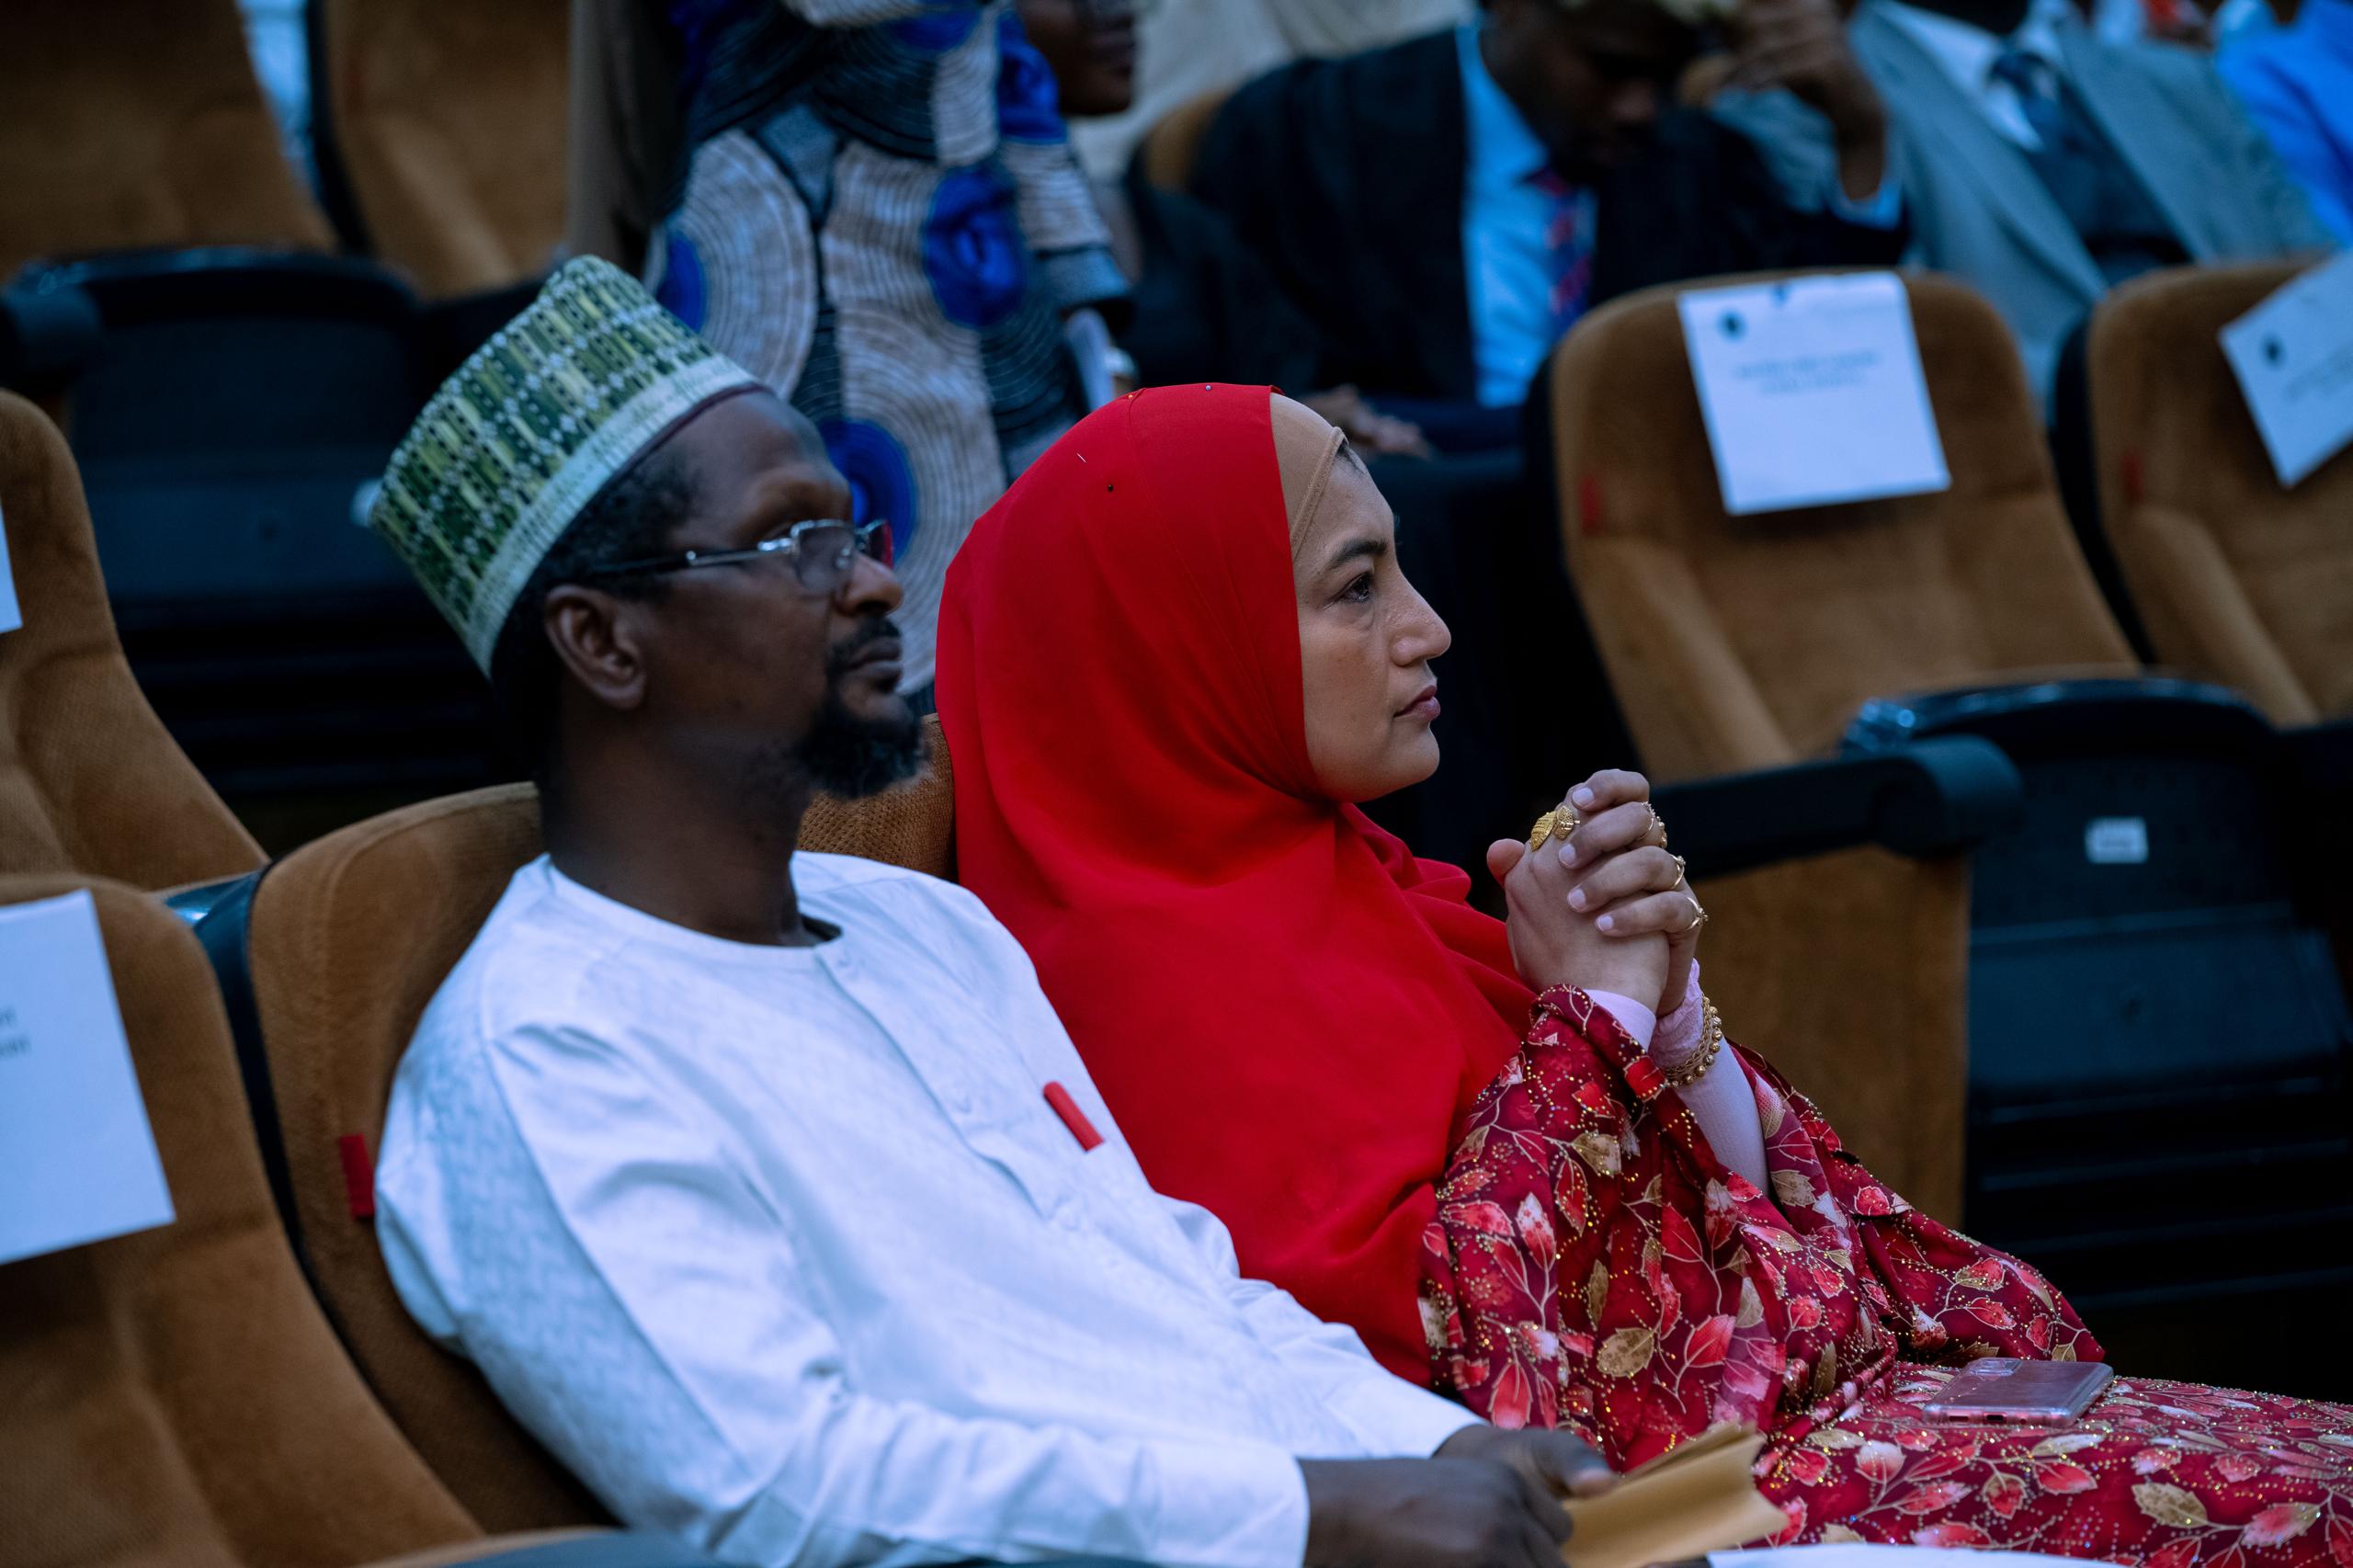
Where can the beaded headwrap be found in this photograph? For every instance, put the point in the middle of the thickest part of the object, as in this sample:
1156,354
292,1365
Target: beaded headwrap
541,418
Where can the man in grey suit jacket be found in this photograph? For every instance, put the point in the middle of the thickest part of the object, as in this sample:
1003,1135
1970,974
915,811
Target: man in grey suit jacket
2042,165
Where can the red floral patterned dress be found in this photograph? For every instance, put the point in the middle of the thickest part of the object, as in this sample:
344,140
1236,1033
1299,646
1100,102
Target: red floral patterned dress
1593,1265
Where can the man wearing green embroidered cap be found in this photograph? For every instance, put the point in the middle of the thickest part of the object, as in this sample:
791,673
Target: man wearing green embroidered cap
586,502
765,1186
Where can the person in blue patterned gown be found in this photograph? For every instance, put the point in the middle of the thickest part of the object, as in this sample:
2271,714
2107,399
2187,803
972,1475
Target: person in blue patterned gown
872,206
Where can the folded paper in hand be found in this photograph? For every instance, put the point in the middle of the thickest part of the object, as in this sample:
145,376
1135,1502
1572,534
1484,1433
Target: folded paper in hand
1695,1498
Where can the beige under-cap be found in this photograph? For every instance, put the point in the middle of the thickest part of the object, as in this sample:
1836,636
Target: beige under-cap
1306,445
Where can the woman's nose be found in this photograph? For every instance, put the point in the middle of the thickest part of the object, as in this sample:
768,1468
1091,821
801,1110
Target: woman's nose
1423,636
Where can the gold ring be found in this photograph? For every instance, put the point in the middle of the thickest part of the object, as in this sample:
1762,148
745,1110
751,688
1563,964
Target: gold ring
1658,823
1682,879
1559,822
1698,914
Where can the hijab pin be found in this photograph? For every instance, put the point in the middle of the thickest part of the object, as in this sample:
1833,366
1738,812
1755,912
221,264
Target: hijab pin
1082,457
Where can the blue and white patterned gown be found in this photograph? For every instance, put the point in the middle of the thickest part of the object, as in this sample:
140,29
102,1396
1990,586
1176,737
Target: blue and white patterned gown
882,220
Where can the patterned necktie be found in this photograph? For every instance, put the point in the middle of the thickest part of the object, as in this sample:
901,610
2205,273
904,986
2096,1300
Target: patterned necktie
2037,86
1568,241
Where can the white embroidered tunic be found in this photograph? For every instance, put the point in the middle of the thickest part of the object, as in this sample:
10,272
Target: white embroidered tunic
785,1250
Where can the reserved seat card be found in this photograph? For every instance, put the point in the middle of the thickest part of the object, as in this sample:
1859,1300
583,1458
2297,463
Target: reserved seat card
77,1157
1812,392
2293,357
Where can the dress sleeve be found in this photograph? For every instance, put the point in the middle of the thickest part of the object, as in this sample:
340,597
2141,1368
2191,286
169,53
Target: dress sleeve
1946,1297
1517,1265
653,1319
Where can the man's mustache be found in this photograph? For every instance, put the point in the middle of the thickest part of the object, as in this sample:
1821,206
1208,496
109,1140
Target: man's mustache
839,657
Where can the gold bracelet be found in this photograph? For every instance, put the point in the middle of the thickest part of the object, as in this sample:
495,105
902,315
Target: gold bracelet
1711,1040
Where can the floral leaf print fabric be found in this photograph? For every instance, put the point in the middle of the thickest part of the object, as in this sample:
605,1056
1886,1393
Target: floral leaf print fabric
1593,1265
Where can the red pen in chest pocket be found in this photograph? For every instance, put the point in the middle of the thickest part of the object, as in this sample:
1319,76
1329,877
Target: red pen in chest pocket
1073,1118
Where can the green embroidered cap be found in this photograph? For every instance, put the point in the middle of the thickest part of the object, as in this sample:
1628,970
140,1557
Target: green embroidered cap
543,417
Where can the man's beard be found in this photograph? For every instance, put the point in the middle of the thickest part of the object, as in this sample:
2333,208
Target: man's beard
845,755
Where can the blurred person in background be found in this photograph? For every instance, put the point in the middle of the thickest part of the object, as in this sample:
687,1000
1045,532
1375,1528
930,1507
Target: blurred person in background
2043,165
872,206
2296,83
1205,309
1090,46
1444,208
1192,46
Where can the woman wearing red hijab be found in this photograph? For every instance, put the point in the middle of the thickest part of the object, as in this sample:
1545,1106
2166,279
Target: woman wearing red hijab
1170,659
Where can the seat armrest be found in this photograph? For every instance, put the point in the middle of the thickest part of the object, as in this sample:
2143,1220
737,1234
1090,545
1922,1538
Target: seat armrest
135,286
2318,773
47,337
1936,797
2320,758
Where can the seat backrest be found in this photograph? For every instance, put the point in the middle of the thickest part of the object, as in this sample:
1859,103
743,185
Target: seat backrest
1169,148
2238,581
1749,641
450,123
89,779
131,129
350,937
173,1395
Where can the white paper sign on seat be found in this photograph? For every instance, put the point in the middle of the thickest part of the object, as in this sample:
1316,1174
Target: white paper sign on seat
2293,357
77,1157
1812,392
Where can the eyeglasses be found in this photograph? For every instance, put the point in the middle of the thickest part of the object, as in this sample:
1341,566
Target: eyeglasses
821,550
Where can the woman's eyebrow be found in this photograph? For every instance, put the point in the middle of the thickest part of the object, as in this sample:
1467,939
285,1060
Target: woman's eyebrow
1363,544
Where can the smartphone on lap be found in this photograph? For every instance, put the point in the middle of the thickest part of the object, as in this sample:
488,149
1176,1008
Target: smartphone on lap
2003,1387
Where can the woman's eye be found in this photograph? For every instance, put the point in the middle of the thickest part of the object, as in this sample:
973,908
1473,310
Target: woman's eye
1359,589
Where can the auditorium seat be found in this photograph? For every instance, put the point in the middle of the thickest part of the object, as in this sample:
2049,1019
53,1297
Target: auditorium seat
346,939
1169,148
2074,964
136,129
1752,641
173,1395
2237,580
89,779
228,413
447,124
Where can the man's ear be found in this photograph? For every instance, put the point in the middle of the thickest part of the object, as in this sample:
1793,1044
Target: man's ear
595,637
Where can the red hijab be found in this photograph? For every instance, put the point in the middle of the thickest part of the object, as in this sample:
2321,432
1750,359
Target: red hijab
1285,1009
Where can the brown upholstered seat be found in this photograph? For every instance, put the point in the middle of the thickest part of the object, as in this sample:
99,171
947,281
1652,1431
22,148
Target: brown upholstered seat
1743,642
2238,581
1750,641
89,779
450,122
350,937
136,127
1169,148
173,1395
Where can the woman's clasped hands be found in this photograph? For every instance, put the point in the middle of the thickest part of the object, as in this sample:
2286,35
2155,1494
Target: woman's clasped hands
1606,907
